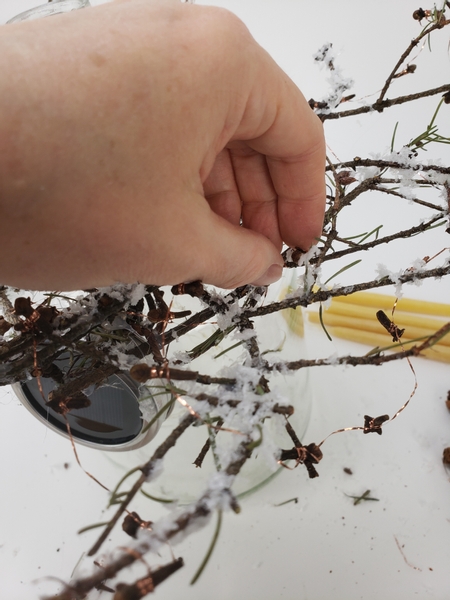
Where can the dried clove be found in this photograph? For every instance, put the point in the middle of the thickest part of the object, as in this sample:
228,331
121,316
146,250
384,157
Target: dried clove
133,522
373,424
390,326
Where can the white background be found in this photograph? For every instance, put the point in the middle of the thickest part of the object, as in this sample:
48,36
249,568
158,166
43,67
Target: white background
323,547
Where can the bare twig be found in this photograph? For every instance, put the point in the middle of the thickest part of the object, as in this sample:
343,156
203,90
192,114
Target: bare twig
380,105
146,472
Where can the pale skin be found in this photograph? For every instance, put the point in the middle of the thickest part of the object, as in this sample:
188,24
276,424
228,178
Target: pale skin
134,139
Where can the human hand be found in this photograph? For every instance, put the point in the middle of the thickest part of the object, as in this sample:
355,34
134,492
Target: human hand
135,136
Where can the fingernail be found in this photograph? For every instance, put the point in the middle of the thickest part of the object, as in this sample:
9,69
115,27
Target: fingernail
272,274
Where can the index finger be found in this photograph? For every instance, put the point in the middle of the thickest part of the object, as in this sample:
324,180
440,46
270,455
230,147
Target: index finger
291,137
300,185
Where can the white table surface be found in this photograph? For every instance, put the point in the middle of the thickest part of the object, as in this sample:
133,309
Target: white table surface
322,547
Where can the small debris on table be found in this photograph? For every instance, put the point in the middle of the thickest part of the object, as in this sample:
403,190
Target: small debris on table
295,500
446,456
365,496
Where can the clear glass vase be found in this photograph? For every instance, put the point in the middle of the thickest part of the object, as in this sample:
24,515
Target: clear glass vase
280,338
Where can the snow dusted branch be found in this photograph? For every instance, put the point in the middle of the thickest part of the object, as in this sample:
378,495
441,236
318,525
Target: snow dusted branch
147,471
217,496
391,164
436,20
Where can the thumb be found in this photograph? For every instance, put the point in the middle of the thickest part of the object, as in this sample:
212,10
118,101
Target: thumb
232,256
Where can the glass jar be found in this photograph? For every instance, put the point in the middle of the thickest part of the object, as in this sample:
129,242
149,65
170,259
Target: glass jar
280,338
117,416
121,413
